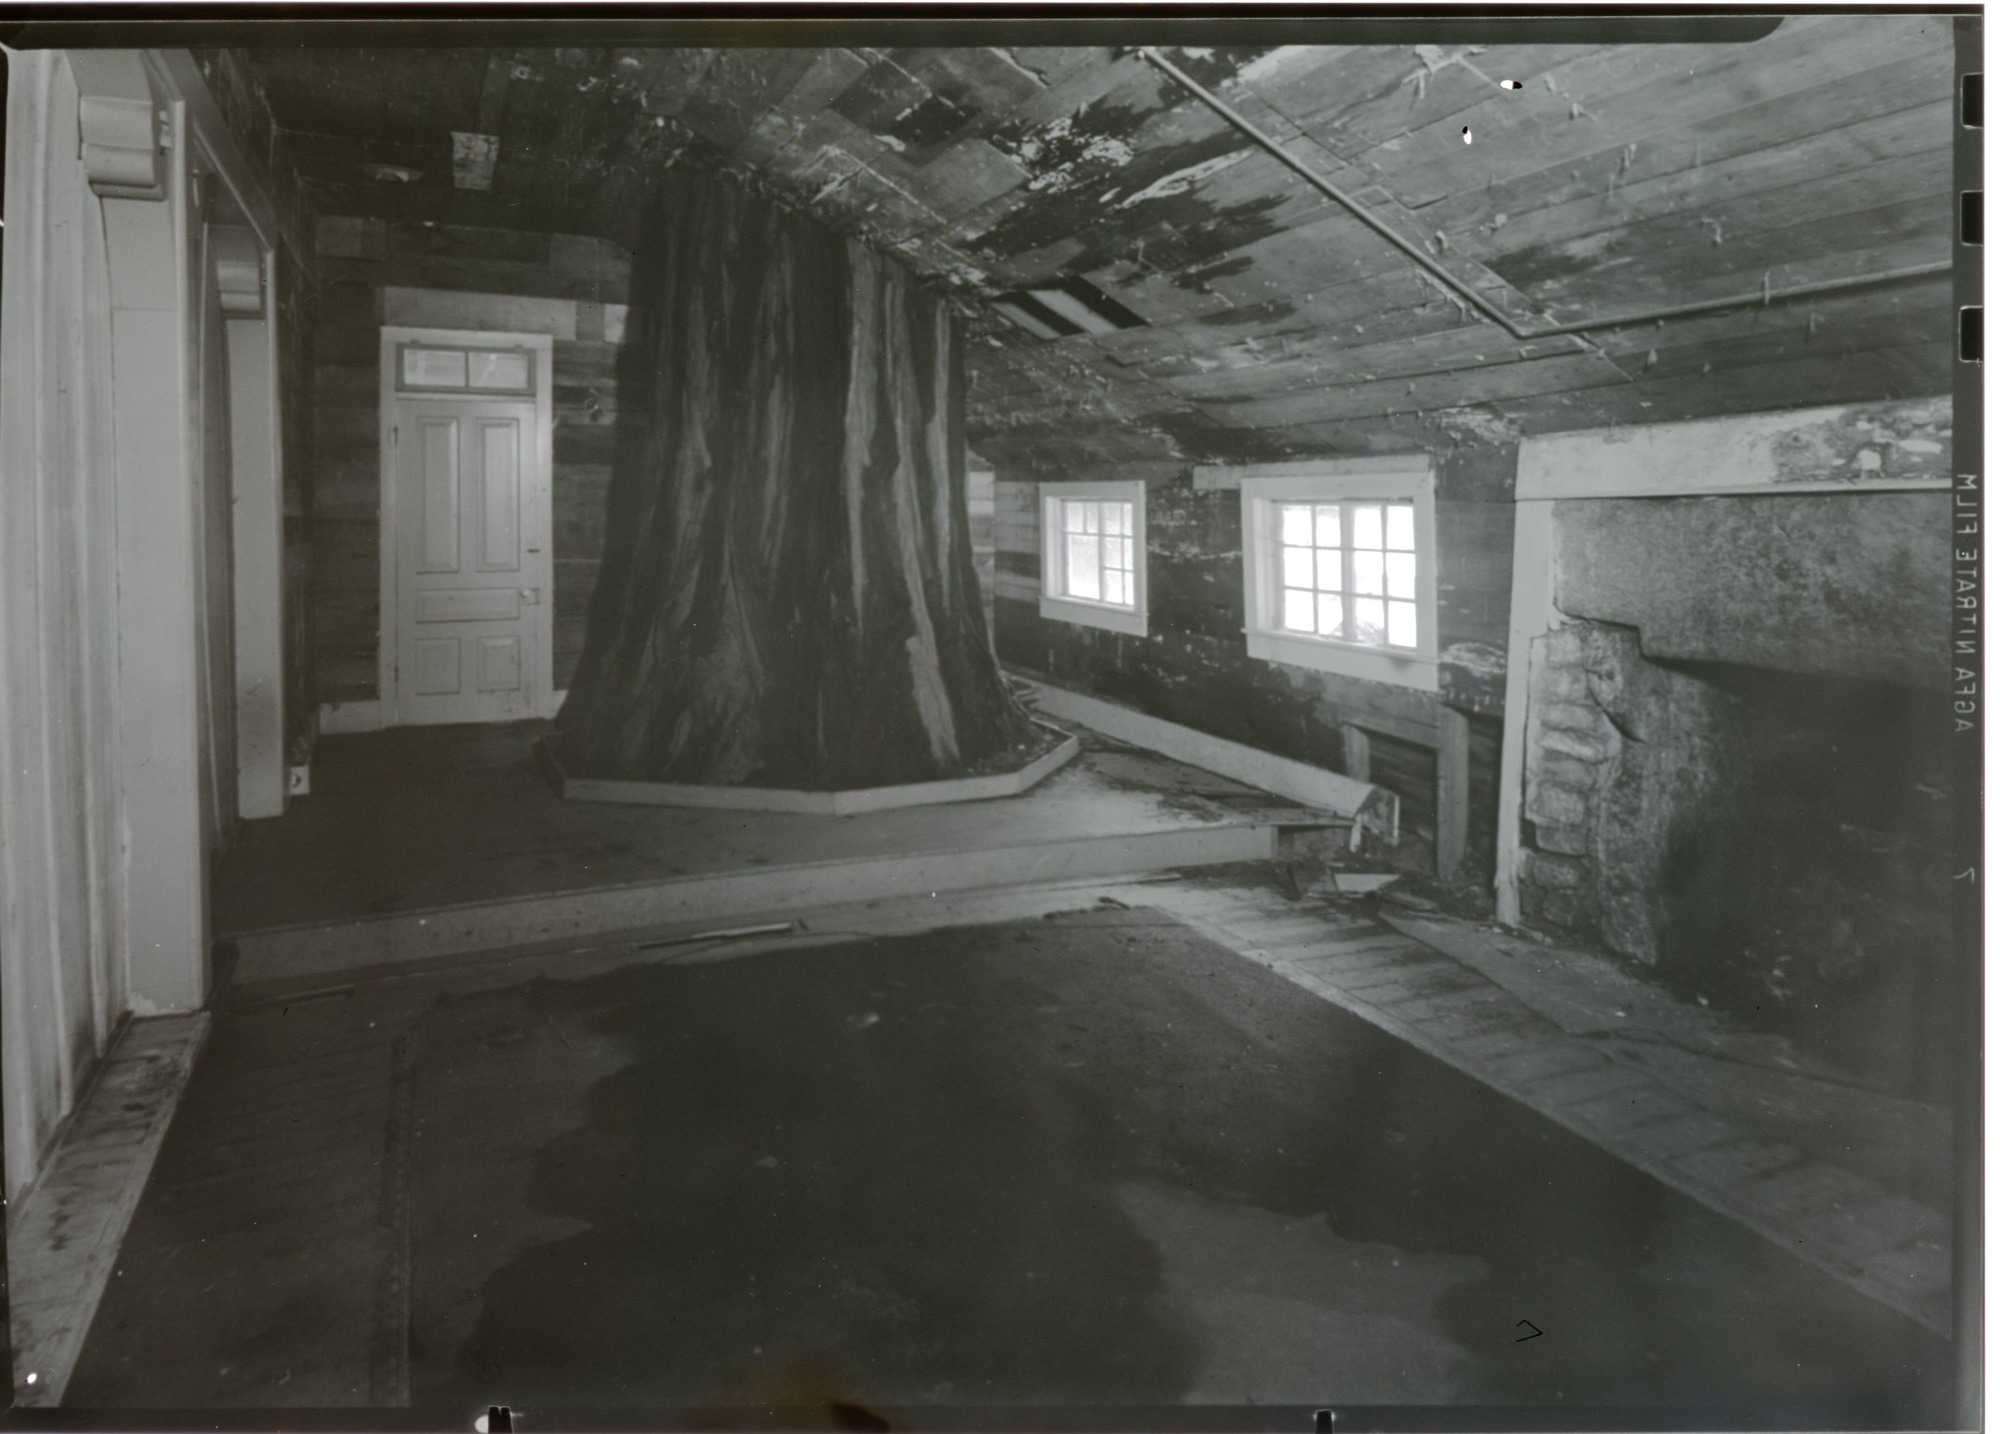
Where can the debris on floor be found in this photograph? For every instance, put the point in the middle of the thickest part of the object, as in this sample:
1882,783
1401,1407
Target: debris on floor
1409,900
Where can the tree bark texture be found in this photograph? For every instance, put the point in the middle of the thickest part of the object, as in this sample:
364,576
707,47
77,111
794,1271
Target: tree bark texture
788,596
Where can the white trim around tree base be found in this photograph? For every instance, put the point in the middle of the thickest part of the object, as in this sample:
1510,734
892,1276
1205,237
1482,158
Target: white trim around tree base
783,799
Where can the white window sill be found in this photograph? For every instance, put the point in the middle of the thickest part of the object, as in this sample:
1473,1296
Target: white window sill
1092,614
1373,663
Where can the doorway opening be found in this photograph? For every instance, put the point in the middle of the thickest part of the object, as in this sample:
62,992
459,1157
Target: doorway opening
467,568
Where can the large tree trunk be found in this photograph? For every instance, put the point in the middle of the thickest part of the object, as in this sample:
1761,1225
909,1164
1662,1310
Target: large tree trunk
788,596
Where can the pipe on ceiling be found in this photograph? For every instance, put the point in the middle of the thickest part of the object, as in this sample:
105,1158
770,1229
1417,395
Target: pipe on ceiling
1479,301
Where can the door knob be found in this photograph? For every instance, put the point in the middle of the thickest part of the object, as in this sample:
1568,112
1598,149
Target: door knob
531,596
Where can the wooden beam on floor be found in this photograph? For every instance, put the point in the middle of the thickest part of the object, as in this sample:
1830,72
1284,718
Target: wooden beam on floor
420,934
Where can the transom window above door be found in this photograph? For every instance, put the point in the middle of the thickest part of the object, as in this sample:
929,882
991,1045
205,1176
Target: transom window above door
1094,555
431,368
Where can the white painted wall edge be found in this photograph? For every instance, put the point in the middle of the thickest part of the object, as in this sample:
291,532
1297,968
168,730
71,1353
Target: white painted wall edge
1301,781
258,533
155,452
1531,614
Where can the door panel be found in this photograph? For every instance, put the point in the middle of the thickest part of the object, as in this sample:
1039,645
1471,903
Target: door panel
500,496
499,664
438,539
473,568
437,666
468,604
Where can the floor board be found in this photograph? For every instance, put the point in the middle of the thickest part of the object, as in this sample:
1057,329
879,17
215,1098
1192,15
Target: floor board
1091,1157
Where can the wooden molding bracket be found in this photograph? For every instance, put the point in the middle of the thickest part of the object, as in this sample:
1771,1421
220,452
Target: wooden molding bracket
239,271
118,116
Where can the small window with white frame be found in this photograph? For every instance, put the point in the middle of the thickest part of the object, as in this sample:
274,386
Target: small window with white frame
1340,569
1094,555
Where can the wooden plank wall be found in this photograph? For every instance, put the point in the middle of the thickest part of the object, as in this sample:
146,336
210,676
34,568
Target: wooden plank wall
1482,826
598,384
1192,667
358,260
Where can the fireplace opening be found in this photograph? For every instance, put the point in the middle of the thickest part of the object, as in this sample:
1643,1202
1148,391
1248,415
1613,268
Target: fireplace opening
1776,844
1813,897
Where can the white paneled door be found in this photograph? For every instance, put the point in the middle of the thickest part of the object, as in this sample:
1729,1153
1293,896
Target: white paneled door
472,563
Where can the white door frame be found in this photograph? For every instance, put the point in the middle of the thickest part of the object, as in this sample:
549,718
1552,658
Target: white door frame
537,500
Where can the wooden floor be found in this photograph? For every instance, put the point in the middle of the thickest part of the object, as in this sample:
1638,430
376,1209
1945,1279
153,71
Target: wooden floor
279,1205
419,1188
276,1208
272,1197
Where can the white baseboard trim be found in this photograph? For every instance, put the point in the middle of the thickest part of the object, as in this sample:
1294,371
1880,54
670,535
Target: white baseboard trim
366,715
850,802
337,717
1372,807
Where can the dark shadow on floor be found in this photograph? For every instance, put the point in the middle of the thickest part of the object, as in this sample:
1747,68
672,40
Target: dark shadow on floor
1089,1159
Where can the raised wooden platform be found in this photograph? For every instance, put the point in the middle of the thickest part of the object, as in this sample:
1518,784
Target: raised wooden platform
423,843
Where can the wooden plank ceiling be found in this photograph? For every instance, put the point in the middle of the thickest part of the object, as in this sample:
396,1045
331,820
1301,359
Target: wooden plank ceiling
1607,179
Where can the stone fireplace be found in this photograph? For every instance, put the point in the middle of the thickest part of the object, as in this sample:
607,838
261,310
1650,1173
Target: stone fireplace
1729,690
1627,762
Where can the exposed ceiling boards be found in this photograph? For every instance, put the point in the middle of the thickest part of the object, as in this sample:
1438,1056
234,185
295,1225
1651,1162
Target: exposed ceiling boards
1614,179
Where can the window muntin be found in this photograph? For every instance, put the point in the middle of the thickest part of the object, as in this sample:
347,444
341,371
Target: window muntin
434,369
1348,572
1093,539
1096,561
1339,570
